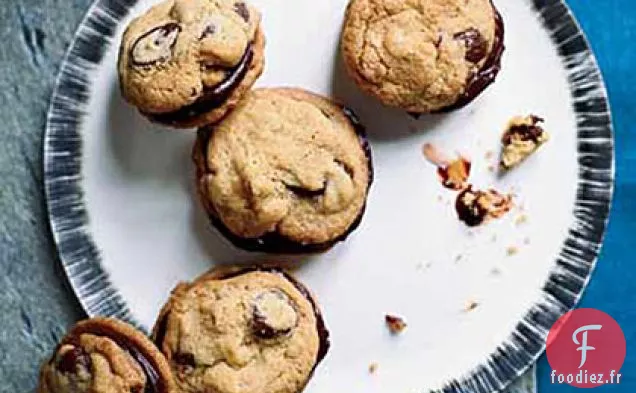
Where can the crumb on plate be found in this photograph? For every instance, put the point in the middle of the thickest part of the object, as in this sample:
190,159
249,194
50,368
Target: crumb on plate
395,324
521,219
471,305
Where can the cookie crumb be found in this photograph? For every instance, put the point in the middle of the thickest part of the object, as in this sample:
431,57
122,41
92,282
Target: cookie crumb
395,324
439,198
493,238
455,174
489,154
373,367
458,257
521,219
434,155
471,305
491,168
475,207
512,250
526,240
495,271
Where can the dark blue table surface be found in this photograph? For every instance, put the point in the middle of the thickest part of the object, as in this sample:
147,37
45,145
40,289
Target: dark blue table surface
610,26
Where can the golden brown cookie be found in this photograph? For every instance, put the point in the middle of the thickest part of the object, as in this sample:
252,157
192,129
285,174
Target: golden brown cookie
242,330
186,63
287,171
107,356
422,55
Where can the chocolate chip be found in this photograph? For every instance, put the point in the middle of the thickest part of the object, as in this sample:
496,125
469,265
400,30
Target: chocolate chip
474,206
273,314
438,43
524,132
241,9
476,44
208,30
184,359
468,209
72,359
305,192
156,45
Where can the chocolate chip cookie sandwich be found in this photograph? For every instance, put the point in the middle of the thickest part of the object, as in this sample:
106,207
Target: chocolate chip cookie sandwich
109,356
186,63
242,330
287,171
423,56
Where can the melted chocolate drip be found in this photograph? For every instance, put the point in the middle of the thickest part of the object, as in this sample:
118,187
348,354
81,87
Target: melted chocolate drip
486,75
273,242
212,97
152,376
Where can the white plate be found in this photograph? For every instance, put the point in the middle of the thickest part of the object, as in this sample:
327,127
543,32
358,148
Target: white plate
128,227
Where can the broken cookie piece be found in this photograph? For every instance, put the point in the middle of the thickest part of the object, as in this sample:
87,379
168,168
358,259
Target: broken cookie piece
395,324
475,207
453,173
522,137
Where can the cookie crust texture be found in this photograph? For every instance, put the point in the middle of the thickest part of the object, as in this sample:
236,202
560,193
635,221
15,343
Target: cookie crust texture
286,163
419,55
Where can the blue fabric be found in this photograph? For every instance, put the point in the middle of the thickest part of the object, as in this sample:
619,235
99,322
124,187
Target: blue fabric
610,26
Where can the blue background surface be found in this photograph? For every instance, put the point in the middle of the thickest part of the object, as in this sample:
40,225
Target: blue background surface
610,26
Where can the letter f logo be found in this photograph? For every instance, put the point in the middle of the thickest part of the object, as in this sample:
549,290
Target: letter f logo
584,347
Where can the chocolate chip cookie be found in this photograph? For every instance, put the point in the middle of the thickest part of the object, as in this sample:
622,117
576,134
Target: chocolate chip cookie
287,171
108,356
242,330
186,63
424,55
